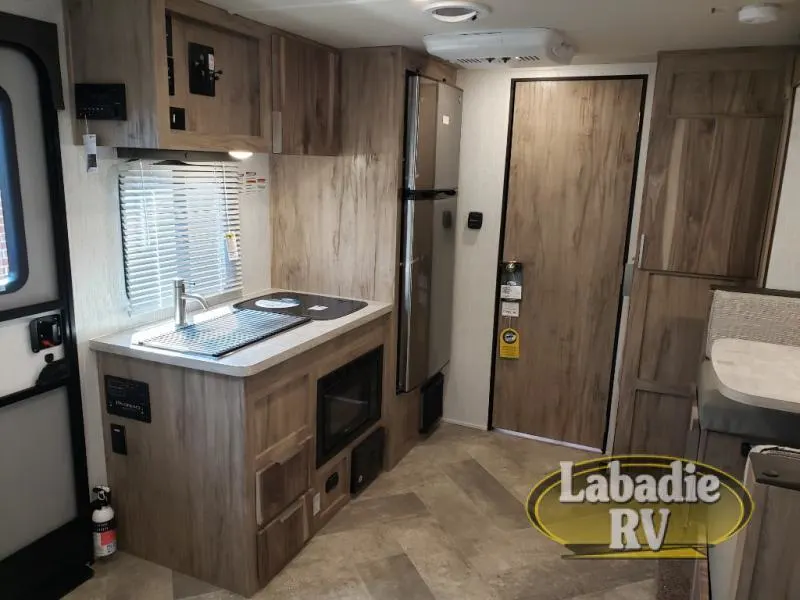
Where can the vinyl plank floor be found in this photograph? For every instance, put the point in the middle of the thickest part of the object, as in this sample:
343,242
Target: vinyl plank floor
394,578
489,495
448,523
366,513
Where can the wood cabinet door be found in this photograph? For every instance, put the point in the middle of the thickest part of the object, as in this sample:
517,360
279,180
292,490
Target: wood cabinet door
235,109
664,345
306,98
717,121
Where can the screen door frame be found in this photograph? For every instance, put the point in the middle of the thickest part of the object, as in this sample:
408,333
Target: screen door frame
57,561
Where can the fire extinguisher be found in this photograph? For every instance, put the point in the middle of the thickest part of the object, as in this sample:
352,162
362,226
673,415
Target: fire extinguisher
104,525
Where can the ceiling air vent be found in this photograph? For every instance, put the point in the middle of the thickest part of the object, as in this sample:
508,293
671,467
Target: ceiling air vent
456,11
502,49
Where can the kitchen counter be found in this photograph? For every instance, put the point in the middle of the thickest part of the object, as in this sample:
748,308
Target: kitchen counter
758,374
248,361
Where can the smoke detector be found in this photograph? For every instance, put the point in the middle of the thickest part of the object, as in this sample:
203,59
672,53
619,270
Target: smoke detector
456,11
759,14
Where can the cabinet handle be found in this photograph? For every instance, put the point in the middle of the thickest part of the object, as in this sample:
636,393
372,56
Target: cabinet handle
642,246
277,132
289,515
297,450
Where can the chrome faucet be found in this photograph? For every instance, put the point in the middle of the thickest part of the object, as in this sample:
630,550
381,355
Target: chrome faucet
180,299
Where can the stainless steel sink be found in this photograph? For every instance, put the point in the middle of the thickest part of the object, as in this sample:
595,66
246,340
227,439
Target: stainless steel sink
224,334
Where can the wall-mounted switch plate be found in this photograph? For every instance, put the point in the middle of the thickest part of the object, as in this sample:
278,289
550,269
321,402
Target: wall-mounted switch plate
119,442
177,118
475,220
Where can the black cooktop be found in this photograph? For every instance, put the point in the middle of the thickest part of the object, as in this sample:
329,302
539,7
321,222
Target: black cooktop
319,308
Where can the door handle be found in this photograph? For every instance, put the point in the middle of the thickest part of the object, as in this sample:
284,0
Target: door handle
642,247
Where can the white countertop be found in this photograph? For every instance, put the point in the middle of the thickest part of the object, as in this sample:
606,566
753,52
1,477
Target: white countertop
248,361
758,374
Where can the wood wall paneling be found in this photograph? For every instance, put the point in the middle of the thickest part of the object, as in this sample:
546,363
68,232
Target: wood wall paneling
334,219
197,431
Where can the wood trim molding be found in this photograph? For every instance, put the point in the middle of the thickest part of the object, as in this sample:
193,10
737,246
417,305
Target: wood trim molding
780,169
195,9
178,140
218,18
158,29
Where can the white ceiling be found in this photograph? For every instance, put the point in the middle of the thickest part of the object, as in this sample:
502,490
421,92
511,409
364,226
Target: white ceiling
602,30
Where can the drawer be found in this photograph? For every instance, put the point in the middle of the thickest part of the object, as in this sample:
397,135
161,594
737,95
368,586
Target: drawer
332,486
281,482
281,540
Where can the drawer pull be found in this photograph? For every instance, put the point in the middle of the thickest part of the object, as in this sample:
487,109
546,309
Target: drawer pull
298,449
289,515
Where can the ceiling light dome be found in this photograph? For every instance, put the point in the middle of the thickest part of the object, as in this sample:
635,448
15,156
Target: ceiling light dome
759,14
456,11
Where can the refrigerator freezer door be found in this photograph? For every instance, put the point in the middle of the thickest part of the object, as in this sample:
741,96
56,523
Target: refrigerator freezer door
448,137
433,139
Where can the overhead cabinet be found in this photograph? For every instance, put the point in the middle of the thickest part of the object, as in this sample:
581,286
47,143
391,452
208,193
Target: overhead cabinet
306,97
196,78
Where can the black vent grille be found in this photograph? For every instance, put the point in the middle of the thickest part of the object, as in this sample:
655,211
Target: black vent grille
499,61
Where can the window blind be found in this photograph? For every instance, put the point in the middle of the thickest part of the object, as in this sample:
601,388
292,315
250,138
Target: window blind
179,220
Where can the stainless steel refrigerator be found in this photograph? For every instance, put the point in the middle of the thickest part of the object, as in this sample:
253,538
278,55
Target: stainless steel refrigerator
430,198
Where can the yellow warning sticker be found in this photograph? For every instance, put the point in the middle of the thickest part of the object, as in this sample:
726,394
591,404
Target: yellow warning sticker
509,343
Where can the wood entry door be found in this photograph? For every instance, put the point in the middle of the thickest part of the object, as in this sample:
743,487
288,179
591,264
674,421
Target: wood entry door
572,157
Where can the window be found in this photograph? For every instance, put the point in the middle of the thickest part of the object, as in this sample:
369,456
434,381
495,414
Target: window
13,259
179,220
